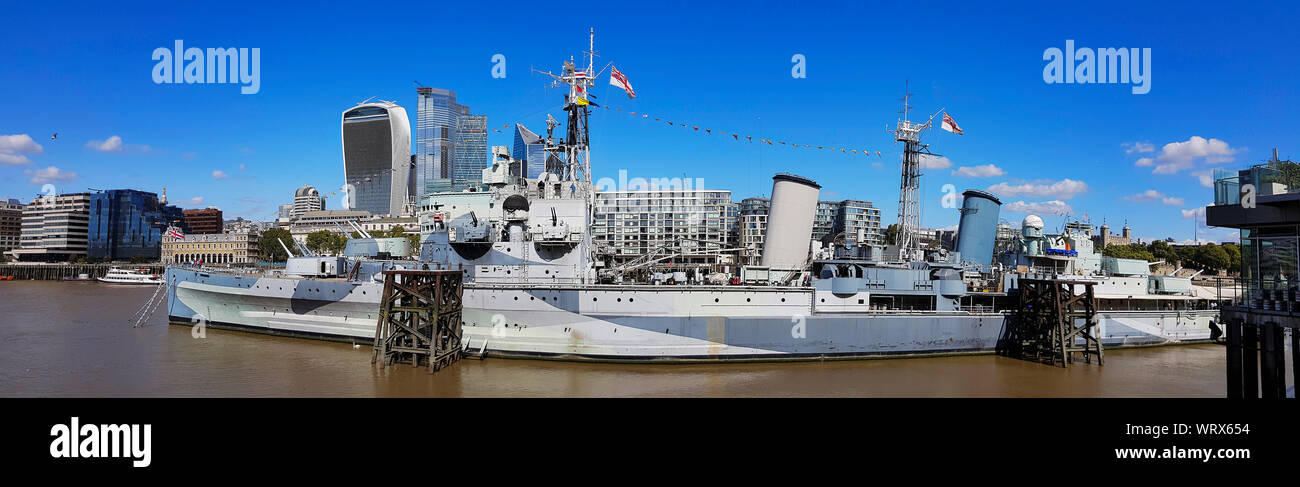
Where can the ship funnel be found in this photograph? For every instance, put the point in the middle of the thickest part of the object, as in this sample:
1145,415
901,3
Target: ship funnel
978,228
790,221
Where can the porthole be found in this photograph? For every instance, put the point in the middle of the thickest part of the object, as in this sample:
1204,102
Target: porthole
747,300
715,300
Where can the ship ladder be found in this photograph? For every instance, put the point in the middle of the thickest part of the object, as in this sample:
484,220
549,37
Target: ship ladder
145,312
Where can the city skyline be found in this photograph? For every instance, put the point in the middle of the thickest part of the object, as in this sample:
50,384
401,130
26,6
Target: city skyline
1098,150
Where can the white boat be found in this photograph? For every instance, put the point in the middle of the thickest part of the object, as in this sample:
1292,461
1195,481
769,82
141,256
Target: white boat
130,276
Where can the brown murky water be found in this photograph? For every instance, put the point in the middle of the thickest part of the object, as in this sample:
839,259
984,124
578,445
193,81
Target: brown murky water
73,339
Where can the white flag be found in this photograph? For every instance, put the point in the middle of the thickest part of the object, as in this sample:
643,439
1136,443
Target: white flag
950,125
616,78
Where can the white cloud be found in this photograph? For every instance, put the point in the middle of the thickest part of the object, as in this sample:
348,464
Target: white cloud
218,174
241,167
195,201
1206,177
985,171
188,155
1197,213
1053,207
50,175
1180,156
934,162
1133,147
111,144
1151,195
1063,189
14,149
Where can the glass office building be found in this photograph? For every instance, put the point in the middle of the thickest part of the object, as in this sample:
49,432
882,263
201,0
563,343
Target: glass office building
126,223
471,152
377,156
530,149
450,143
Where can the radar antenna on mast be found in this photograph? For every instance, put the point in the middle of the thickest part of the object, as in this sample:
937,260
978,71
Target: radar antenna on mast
575,147
909,186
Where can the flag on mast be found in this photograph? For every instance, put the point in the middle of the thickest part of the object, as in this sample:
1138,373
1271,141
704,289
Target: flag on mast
950,125
176,234
616,78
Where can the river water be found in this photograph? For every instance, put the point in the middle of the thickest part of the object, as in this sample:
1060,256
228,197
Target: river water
74,339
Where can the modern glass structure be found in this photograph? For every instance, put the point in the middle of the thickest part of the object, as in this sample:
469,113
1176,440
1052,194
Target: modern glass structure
530,149
126,223
450,143
471,152
377,155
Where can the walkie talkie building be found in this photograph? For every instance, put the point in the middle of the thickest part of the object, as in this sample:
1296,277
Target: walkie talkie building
377,156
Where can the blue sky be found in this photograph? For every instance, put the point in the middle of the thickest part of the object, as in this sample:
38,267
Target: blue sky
1223,94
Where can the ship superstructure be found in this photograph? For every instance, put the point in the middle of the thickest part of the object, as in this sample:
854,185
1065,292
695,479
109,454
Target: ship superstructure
532,286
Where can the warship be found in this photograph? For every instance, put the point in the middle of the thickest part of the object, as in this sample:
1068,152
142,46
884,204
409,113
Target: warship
536,287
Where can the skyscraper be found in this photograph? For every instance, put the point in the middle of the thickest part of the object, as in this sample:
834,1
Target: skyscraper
306,199
530,149
126,223
377,155
450,143
471,152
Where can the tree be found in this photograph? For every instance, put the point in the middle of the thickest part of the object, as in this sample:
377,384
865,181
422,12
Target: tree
326,242
1212,257
269,245
1234,256
891,234
1160,249
1130,251
320,241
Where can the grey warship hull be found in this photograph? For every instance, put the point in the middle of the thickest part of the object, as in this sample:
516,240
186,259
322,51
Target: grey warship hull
634,323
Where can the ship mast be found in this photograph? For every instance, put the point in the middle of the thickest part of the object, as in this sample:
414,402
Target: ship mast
575,146
909,185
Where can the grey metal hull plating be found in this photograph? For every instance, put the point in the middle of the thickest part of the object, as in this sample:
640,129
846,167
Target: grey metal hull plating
633,323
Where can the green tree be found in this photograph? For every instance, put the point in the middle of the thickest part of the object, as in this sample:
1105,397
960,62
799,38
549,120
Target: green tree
891,234
326,242
1234,256
320,241
1130,251
1212,257
269,245
1160,249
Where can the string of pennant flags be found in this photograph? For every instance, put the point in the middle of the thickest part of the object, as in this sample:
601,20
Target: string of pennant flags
736,136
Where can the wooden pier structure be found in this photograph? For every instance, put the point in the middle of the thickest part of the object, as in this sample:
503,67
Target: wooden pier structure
1053,323
55,272
1256,349
419,319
